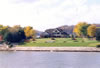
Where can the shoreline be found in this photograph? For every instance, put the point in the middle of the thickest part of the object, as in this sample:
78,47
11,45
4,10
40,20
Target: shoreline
52,49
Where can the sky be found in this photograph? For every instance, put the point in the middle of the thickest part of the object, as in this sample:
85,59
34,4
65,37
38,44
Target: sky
45,14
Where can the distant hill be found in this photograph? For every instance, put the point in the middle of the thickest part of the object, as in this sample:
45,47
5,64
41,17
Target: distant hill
67,29
38,33
97,25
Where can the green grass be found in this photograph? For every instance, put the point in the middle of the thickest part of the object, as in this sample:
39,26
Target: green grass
61,42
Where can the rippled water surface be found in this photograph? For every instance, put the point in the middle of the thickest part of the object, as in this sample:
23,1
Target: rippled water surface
25,59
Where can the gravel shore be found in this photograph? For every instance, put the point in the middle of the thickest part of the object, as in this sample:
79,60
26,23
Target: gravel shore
52,49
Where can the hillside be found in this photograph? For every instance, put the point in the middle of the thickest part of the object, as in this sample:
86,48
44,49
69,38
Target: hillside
38,33
67,29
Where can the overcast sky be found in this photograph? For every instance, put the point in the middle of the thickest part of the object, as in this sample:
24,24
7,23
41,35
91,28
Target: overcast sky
44,14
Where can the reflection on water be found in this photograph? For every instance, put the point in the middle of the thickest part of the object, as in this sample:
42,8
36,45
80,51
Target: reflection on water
25,59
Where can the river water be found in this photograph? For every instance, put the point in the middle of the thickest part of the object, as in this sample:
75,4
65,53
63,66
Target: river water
23,59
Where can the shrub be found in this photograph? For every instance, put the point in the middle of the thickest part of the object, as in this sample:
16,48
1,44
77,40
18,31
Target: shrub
64,41
98,46
33,39
53,39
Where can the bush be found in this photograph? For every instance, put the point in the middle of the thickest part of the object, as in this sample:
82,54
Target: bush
64,41
98,46
53,39
33,39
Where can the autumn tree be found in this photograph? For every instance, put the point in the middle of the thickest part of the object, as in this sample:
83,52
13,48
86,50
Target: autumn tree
15,28
77,29
3,29
81,29
91,31
29,32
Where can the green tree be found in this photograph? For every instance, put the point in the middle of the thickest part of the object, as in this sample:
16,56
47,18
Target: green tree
15,35
83,29
98,35
8,37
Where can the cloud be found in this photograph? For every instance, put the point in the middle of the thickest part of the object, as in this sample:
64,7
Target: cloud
43,14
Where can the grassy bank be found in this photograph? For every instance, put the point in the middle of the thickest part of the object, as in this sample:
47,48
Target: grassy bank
61,42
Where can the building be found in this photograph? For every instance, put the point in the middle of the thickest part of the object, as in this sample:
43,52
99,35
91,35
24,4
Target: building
57,33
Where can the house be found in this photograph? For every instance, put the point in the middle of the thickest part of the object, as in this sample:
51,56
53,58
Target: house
57,33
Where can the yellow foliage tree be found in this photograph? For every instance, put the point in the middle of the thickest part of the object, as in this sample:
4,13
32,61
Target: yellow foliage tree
29,32
3,29
15,28
78,28
91,30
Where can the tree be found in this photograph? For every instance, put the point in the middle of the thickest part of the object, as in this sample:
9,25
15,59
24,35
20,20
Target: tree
81,29
3,29
91,31
8,37
29,32
15,28
15,34
77,29
98,35
20,31
22,34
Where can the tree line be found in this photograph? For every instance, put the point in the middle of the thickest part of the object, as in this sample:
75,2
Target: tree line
83,29
16,33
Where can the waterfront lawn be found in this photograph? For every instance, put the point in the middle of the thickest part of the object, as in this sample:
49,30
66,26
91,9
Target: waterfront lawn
61,42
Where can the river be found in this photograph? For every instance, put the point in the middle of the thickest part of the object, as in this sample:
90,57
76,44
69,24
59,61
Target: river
28,59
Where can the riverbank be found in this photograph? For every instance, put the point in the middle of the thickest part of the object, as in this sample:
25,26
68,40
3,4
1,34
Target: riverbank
52,49
61,42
